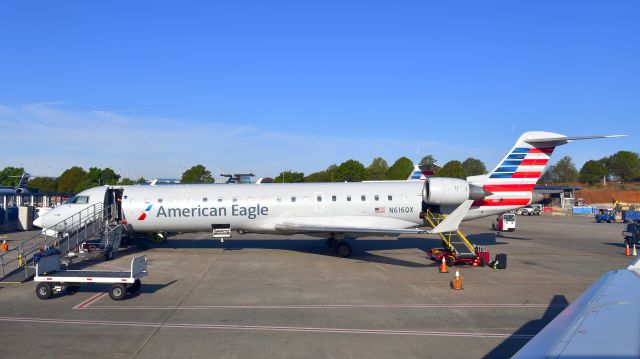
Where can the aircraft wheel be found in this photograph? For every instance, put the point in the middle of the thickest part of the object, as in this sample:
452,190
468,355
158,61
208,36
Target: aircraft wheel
481,262
343,250
44,290
118,292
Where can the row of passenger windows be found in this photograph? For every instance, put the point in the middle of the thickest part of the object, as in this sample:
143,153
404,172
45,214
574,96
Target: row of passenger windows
279,199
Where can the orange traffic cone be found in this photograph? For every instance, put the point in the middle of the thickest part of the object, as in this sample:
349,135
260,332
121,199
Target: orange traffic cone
443,266
626,251
456,283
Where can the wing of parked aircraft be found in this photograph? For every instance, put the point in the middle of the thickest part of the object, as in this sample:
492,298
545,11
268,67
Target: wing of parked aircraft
315,228
603,323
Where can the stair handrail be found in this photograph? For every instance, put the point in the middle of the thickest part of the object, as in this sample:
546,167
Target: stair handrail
87,218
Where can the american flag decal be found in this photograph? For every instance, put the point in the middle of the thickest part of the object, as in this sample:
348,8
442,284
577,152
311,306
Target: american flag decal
379,209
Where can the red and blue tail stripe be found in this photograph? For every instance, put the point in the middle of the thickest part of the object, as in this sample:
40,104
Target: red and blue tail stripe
513,180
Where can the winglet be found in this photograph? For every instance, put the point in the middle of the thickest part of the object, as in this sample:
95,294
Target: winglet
452,221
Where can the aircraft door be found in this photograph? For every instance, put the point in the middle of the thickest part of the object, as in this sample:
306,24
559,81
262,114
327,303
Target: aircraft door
114,198
319,202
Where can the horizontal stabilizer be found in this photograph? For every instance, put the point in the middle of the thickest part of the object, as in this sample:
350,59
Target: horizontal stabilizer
452,221
565,139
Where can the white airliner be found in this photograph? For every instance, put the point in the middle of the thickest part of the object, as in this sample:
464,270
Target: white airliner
333,210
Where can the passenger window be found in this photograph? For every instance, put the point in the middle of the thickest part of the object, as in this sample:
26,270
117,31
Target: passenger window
219,199
278,199
390,197
348,198
376,198
205,199
333,198
318,198
293,198
235,199
159,200
363,198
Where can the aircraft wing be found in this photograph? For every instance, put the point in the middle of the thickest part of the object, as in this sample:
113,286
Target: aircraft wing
317,228
603,323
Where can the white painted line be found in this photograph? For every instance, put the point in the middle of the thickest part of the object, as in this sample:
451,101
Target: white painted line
94,298
268,328
326,306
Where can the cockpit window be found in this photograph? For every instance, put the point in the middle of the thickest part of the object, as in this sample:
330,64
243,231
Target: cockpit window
78,200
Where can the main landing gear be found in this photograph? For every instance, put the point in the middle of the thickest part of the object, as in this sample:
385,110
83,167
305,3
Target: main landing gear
338,246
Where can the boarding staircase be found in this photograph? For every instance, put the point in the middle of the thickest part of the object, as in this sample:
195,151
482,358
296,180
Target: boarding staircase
455,242
97,221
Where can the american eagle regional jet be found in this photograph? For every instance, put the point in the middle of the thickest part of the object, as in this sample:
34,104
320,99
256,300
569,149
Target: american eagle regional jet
333,210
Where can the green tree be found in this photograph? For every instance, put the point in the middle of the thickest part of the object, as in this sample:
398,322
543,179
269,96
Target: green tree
565,171
290,177
100,177
43,184
351,171
197,174
377,170
549,175
141,180
327,175
71,178
10,176
625,165
428,160
451,169
400,169
126,182
473,167
593,171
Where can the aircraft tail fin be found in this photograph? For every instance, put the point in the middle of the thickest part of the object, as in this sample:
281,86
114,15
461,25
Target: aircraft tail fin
513,179
23,180
421,173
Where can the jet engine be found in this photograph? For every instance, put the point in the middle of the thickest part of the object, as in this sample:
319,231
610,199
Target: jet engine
450,191
19,190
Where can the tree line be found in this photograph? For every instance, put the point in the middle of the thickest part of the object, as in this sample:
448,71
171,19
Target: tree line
622,166
379,170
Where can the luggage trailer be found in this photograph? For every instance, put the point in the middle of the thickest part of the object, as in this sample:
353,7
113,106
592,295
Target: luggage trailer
53,280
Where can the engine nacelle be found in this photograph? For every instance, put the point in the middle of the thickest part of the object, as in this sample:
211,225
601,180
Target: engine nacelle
19,190
450,191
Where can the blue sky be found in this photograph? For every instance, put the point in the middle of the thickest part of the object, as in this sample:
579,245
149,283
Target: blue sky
150,87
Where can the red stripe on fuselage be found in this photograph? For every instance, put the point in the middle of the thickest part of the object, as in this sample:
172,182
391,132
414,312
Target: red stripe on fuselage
533,162
502,202
493,188
548,150
526,175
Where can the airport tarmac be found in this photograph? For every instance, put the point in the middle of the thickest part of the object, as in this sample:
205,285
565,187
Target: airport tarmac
262,296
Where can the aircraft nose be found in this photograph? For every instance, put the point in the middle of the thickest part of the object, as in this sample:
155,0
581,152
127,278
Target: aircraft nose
37,222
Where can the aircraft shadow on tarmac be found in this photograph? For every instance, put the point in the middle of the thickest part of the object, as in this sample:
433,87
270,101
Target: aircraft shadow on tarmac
361,248
511,345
